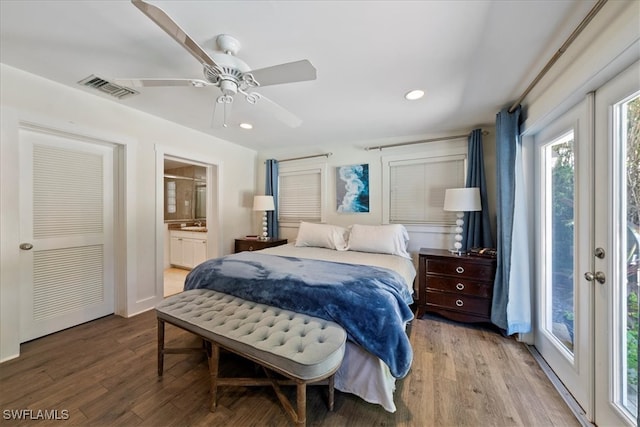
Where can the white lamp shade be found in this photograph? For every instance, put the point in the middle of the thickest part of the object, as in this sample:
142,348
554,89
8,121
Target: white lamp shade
263,203
462,199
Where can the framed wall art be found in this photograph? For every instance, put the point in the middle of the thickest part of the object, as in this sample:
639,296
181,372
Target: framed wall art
352,188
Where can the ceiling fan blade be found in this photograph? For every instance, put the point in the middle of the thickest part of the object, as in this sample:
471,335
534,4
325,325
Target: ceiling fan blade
280,113
161,82
163,20
290,72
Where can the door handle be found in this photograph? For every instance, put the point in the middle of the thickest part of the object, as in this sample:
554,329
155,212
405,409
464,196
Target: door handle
26,246
598,276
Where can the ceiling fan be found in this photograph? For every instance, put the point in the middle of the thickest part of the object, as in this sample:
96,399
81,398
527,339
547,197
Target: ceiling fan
226,71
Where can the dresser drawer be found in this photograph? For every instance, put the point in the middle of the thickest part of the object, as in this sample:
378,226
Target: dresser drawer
459,303
454,267
462,286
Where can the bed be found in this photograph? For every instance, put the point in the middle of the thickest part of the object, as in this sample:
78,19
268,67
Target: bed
361,278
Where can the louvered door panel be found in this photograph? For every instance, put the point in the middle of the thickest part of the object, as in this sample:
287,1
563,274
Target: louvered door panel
66,280
67,192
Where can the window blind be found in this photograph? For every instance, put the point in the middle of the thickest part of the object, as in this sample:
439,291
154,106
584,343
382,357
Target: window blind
417,187
299,196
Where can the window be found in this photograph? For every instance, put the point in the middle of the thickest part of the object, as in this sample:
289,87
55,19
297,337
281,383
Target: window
300,194
171,196
415,187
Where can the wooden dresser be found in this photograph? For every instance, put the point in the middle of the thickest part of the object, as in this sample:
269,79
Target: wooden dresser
457,287
254,244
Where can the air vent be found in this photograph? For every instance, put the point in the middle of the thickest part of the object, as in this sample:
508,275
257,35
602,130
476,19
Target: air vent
107,87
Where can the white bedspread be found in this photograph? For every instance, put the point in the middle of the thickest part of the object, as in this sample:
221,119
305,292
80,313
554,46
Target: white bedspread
401,265
361,373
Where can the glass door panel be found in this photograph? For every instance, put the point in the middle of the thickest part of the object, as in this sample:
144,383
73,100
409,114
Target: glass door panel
627,122
559,235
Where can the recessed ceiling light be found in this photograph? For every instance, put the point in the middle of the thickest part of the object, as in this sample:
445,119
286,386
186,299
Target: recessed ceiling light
246,125
414,94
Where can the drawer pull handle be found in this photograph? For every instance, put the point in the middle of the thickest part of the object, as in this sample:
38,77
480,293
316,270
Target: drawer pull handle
459,303
250,248
459,286
459,270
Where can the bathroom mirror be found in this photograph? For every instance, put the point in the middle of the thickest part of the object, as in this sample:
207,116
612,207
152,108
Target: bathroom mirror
185,191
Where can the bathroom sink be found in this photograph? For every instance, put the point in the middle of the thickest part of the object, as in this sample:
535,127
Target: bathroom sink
194,228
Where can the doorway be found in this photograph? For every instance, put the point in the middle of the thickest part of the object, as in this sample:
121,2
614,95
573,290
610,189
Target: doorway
587,166
189,217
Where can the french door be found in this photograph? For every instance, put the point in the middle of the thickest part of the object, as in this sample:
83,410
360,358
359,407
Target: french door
617,227
564,199
588,231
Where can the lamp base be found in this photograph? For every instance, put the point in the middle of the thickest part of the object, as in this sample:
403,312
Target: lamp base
457,246
264,227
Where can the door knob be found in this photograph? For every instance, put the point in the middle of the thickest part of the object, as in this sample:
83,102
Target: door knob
26,246
598,276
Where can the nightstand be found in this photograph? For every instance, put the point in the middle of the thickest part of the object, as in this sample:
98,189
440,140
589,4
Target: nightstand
458,287
254,244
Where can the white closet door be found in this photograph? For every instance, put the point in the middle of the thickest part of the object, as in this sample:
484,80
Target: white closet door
66,232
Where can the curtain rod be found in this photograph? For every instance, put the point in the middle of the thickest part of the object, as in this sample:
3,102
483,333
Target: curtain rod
592,13
400,144
305,157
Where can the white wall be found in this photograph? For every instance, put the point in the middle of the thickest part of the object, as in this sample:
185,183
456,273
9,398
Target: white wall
608,45
24,96
355,153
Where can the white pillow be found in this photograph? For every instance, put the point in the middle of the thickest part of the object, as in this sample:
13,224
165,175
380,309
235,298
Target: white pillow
322,236
385,239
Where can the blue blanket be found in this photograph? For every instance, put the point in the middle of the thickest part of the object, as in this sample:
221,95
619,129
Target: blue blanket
370,303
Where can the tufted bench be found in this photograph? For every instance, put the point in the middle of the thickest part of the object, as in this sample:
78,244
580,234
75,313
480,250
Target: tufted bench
302,348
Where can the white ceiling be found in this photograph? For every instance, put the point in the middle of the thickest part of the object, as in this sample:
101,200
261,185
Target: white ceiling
471,57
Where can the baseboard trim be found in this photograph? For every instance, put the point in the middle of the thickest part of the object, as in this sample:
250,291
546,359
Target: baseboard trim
577,410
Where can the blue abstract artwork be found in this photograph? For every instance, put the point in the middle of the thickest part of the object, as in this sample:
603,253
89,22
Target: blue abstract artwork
352,188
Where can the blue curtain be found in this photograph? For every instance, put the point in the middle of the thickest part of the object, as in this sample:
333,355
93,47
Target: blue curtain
477,232
271,189
511,308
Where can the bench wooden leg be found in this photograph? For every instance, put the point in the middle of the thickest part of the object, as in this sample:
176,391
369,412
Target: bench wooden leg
160,347
302,404
331,392
214,360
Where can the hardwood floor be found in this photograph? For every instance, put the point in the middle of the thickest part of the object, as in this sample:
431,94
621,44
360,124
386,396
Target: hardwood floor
104,373
174,280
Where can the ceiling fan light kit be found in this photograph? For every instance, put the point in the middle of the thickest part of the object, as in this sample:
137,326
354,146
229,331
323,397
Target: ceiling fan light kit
226,71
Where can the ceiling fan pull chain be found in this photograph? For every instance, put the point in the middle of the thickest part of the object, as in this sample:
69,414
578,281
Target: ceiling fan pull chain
224,100
224,119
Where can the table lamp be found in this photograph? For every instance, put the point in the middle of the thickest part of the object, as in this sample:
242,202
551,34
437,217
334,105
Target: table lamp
461,200
264,204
